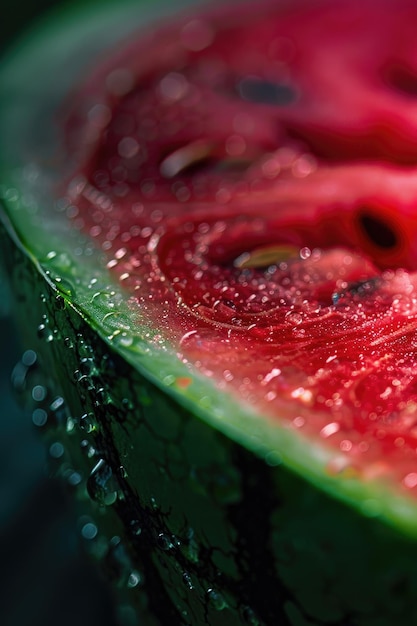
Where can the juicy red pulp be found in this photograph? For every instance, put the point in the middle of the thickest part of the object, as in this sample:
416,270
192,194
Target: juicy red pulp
251,173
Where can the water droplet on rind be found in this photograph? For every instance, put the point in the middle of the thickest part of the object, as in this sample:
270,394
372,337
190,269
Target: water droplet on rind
45,333
87,366
216,599
39,393
249,616
73,478
102,485
119,563
29,358
88,422
190,547
56,450
135,528
165,542
88,449
134,579
39,417
188,581
89,531
59,414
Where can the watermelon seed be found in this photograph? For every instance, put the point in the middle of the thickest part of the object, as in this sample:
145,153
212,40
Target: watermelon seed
182,159
266,256
329,430
261,91
378,232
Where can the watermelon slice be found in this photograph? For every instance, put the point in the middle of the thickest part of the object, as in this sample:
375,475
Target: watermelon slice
209,226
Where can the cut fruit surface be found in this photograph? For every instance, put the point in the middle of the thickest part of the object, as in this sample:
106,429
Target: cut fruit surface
210,230
228,178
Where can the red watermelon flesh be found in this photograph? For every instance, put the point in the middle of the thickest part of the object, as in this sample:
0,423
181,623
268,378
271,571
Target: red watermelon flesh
251,172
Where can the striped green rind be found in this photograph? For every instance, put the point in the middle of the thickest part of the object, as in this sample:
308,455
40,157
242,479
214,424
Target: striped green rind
213,533
273,523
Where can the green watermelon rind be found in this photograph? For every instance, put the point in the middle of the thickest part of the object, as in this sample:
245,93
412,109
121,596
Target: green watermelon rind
32,84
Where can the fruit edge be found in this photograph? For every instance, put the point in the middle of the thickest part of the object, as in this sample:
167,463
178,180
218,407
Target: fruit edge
224,538
70,275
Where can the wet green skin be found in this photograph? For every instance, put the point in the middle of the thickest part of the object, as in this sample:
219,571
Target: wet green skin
225,537
217,536
28,104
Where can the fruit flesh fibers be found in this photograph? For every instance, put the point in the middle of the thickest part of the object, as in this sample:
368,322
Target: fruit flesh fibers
263,211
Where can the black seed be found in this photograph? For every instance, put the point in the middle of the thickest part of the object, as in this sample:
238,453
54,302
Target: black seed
265,92
379,232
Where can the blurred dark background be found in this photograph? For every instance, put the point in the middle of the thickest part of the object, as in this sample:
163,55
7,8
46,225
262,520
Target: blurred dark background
45,578
17,16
